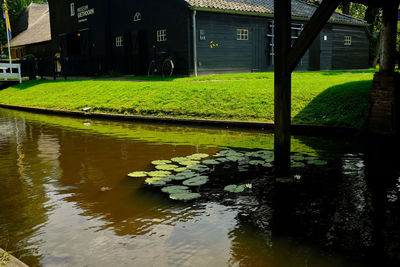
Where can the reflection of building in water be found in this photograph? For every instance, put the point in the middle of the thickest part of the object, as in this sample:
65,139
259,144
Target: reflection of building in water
49,152
19,134
22,194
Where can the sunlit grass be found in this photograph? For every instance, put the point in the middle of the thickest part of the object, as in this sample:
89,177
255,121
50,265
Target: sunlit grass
328,98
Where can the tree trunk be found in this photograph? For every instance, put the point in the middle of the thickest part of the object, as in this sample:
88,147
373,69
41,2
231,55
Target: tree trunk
370,16
378,48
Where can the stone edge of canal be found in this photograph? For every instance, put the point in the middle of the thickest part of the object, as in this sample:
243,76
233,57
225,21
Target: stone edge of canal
297,129
14,262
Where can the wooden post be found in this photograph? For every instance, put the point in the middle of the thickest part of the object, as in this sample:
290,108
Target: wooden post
282,87
389,33
286,60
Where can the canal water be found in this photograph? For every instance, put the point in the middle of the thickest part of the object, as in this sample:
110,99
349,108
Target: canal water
54,210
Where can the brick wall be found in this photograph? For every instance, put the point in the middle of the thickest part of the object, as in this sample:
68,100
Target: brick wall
384,104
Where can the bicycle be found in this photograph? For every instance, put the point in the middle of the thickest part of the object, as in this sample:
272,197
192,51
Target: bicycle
161,64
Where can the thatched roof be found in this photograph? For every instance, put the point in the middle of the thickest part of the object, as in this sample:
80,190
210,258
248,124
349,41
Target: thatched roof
32,26
300,9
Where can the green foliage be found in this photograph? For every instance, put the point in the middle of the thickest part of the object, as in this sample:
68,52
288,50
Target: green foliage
5,258
327,98
356,10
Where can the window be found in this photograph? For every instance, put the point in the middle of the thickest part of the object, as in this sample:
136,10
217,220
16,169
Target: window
161,35
119,41
72,9
242,34
347,40
137,17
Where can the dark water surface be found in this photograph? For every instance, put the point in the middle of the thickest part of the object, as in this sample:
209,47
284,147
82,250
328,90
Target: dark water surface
53,213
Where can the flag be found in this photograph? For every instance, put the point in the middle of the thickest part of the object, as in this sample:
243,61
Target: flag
7,19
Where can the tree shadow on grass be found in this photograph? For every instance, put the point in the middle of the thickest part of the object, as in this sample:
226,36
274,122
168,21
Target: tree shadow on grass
32,83
344,105
340,72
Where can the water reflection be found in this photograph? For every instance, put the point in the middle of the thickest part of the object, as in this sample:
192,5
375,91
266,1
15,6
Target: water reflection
53,213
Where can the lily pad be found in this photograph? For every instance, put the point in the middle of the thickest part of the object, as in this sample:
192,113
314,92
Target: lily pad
167,167
236,158
268,158
186,196
267,165
199,168
227,151
231,153
175,189
222,159
196,181
263,153
161,182
188,162
297,157
256,162
252,154
159,173
181,169
178,159
198,156
184,175
137,174
298,165
152,180
160,162
235,188
211,162
318,162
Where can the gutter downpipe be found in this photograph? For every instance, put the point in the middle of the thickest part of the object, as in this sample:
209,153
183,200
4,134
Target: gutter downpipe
194,43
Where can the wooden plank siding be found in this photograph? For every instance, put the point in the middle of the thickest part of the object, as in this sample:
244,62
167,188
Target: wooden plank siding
326,48
221,52
354,56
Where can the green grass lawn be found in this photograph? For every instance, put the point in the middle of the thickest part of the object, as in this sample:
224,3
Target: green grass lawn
326,98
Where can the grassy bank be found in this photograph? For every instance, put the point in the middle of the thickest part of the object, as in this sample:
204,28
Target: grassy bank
325,98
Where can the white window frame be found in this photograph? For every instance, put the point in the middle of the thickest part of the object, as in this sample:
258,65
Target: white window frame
137,17
161,35
119,41
347,40
72,9
242,34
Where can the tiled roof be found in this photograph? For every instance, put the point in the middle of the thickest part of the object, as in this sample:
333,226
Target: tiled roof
299,8
33,26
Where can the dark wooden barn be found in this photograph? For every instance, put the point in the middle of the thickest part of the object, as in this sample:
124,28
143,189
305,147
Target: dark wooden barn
200,36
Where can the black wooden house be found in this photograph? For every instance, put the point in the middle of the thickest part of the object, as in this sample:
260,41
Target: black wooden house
201,36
